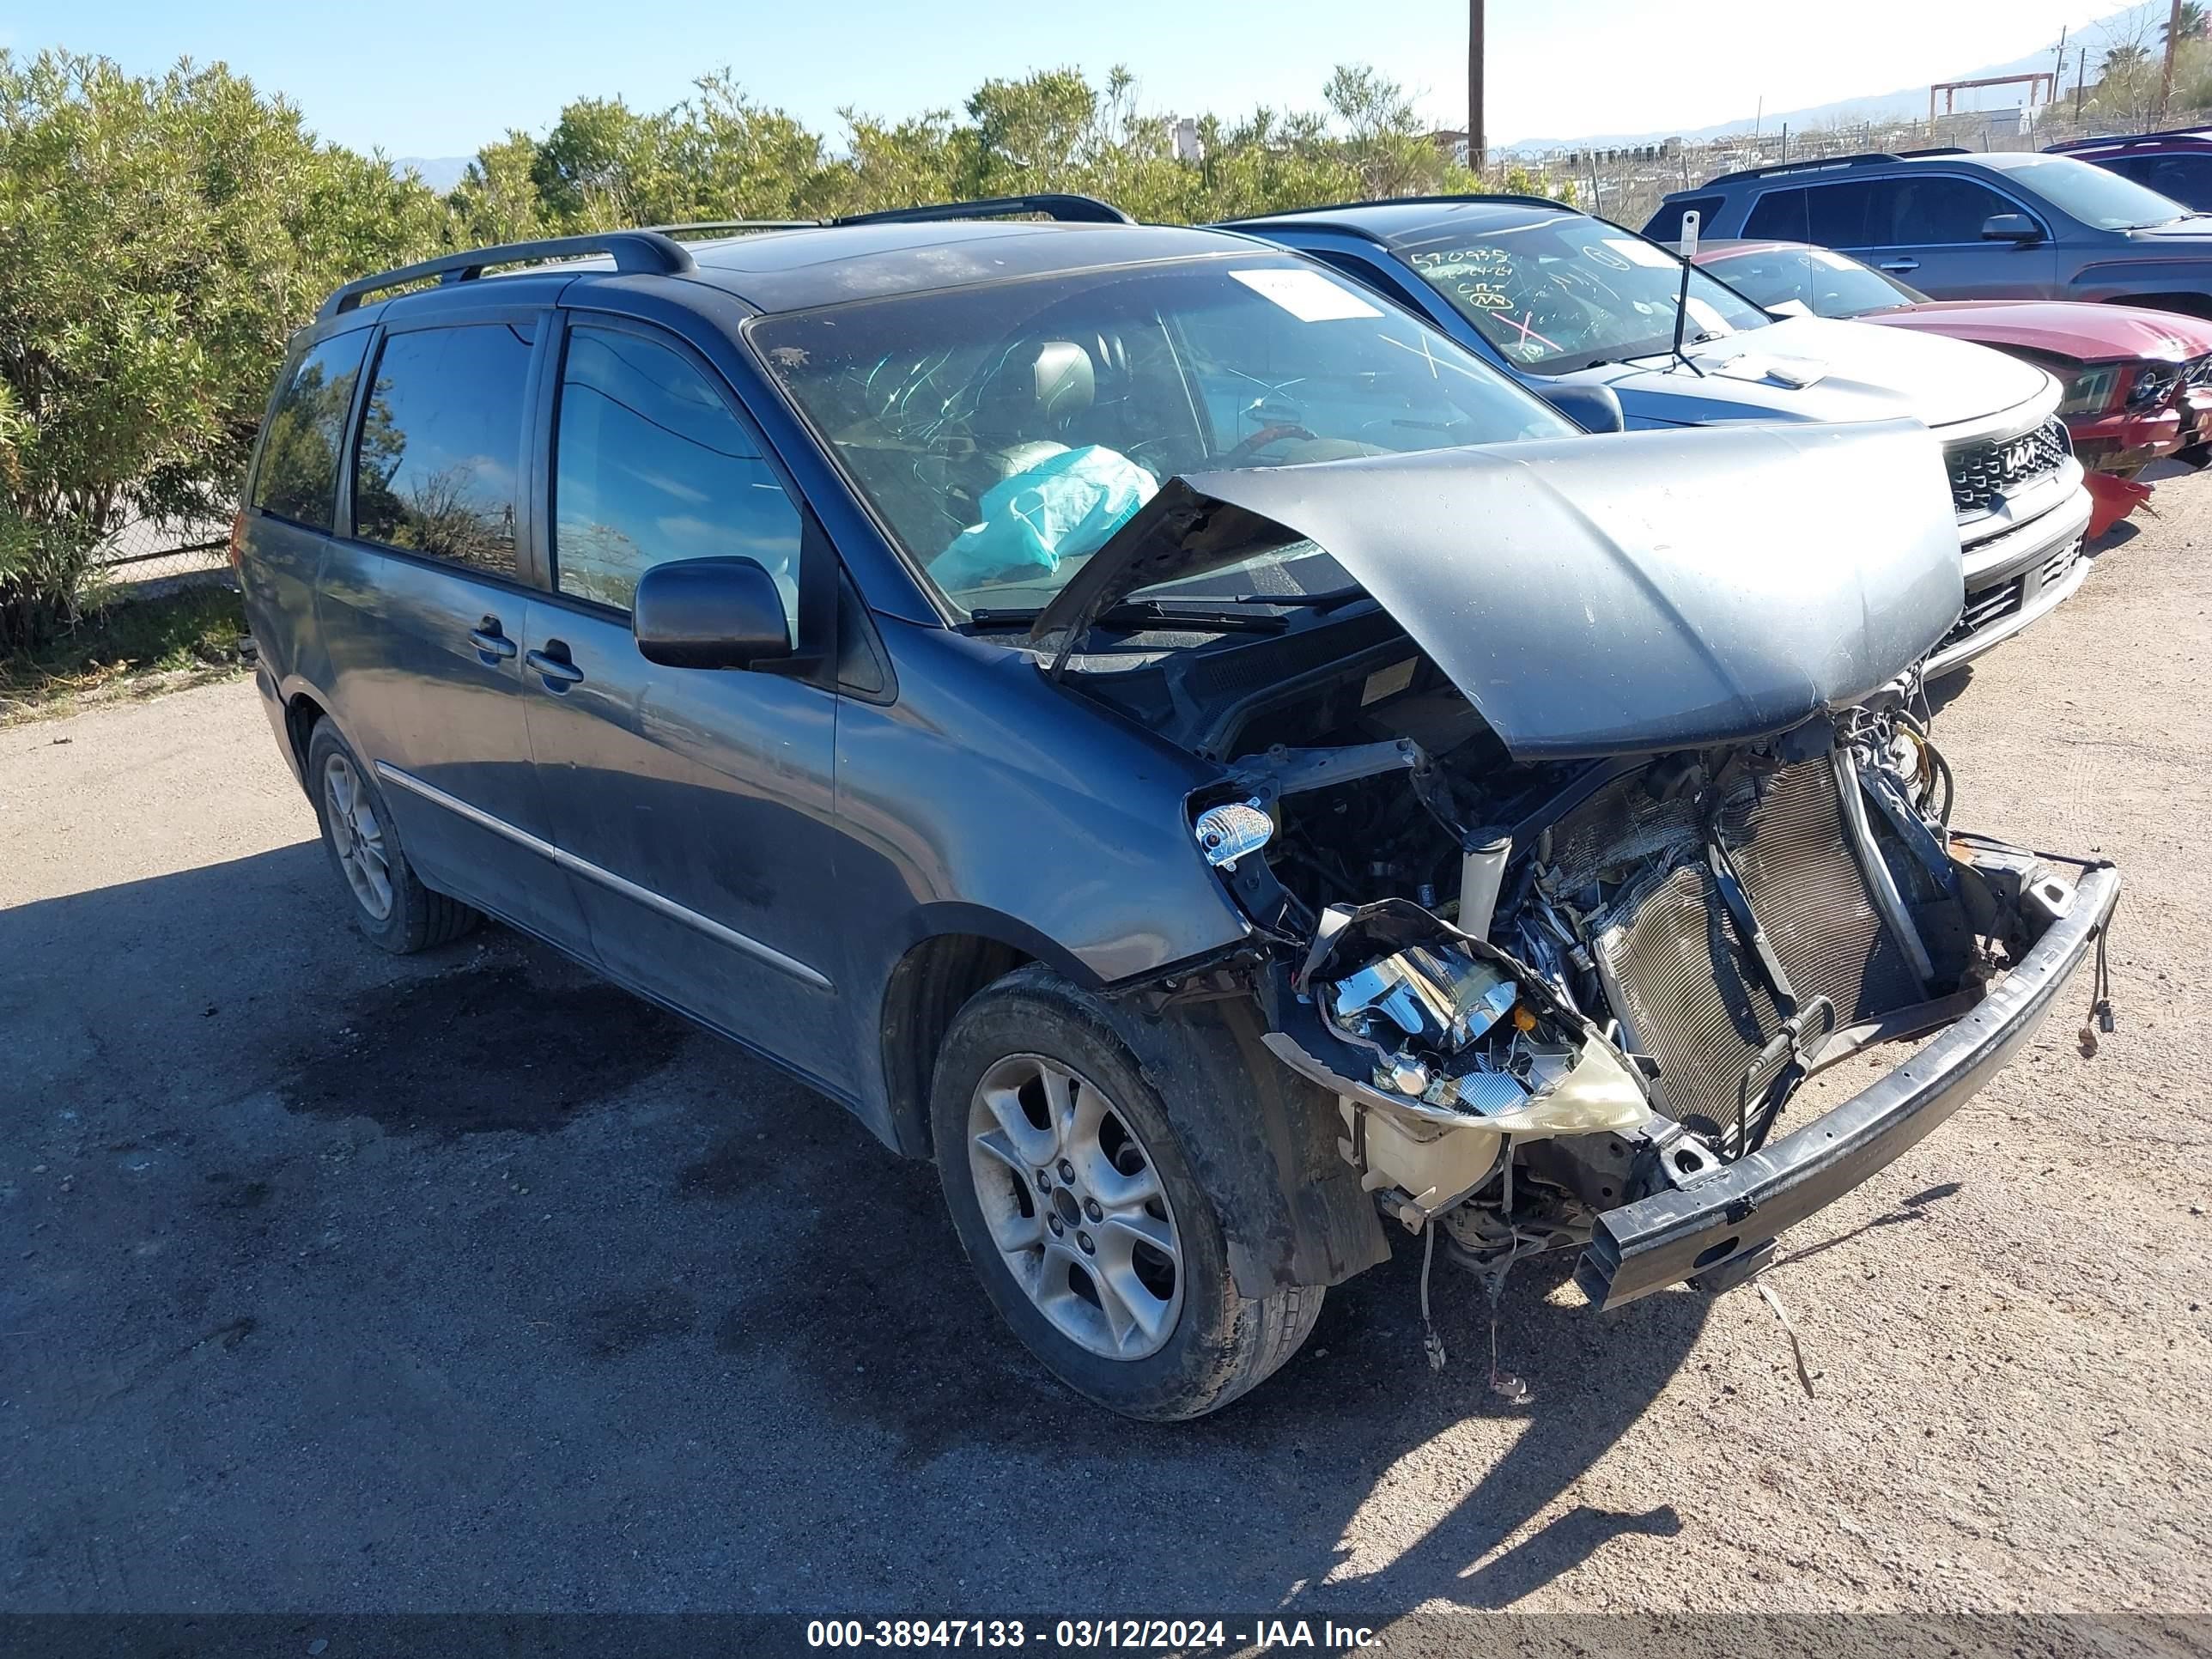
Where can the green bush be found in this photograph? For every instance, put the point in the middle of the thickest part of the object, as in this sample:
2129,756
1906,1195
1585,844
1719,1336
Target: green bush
161,237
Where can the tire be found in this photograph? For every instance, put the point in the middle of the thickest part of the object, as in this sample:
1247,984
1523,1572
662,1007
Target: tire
1206,1343
397,913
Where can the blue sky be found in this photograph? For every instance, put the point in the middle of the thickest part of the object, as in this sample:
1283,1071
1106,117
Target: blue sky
439,79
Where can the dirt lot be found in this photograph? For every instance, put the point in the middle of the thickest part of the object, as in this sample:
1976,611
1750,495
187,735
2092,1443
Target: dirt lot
338,1282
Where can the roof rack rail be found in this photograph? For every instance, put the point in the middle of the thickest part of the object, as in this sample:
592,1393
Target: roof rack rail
1066,209
716,227
1866,159
1933,150
2126,139
1398,201
634,251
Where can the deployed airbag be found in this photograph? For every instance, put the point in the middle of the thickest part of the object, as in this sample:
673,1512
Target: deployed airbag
1065,506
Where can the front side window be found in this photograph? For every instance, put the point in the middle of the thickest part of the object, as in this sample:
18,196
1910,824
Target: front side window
298,477
1927,210
1002,433
1826,284
1559,292
649,464
435,467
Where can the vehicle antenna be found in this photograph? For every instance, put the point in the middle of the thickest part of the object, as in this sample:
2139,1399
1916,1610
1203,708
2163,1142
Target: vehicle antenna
1691,220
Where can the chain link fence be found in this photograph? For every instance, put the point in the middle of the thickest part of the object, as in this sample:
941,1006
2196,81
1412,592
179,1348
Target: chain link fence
148,556
1624,184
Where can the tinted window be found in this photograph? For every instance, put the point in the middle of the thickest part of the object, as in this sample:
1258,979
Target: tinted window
1839,215
298,477
649,464
1666,225
434,468
1923,210
1778,215
2186,178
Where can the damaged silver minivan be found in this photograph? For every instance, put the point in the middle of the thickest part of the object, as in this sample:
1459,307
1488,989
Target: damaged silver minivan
1198,755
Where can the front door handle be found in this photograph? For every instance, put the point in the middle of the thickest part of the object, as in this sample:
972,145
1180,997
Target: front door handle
553,667
492,645
1900,266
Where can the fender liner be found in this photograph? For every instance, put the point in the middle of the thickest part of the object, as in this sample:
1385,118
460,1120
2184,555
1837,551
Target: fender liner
1260,1140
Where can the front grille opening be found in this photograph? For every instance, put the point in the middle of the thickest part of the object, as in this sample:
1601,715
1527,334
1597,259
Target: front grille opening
1984,470
1991,604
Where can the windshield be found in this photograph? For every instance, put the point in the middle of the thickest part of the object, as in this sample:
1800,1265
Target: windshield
1563,291
2098,199
1002,432
1826,284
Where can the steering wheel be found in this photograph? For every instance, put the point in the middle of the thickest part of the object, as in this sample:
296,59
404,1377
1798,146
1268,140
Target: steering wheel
1250,447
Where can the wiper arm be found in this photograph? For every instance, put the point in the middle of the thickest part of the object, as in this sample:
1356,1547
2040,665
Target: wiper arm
1329,600
1144,613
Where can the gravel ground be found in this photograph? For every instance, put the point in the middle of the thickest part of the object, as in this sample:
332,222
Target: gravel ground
338,1282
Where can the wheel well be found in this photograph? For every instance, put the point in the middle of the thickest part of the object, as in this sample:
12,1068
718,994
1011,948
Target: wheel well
2189,304
932,983
299,717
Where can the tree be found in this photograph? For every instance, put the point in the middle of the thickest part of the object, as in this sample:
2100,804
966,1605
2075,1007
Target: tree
2195,24
163,238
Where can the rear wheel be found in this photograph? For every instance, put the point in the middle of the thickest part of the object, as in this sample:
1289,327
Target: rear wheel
1073,1199
391,905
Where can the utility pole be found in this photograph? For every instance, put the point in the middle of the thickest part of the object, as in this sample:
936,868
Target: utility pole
2173,42
1476,149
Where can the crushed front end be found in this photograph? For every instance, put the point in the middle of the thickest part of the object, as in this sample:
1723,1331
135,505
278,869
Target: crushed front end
1577,1003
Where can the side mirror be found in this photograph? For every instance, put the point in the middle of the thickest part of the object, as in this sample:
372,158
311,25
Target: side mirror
2010,228
709,613
1593,407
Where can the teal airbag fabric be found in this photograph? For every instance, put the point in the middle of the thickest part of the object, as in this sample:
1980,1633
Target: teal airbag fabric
1062,508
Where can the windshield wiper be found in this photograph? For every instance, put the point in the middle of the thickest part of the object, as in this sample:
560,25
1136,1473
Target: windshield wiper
1145,613
1327,600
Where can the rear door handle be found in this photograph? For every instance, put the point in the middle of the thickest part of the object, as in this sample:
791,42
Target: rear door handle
1900,264
491,644
552,665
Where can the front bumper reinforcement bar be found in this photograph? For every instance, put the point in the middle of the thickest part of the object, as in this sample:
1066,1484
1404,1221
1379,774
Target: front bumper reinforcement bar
1732,1217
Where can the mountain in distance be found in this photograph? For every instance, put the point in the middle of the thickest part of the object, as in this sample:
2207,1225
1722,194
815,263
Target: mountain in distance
1907,102
440,172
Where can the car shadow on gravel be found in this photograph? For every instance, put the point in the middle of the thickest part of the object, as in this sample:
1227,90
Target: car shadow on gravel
386,1079
901,1340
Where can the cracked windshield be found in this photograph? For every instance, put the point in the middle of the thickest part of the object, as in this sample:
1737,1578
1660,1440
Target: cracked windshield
1564,292
1004,432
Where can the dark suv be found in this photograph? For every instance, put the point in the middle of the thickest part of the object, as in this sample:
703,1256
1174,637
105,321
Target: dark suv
2177,163
1962,225
1159,731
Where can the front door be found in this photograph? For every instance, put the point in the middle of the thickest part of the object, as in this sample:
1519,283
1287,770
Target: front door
694,807
423,609
1925,229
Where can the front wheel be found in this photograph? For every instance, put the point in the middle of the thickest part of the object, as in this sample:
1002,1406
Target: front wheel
1073,1197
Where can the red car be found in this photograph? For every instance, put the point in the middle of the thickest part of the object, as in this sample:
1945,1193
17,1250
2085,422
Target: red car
2138,382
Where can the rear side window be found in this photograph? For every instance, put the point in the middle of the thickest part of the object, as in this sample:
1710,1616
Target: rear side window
1826,215
298,477
441,441
649,465
1778,215
1666,225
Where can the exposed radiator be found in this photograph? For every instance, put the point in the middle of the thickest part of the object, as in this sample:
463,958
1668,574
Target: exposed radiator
1688,989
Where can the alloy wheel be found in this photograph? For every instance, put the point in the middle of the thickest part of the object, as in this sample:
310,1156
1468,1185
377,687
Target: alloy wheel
1076,1207
357,836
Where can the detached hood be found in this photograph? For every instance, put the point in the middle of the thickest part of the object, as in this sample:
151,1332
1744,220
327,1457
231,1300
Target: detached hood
2061,328
1601,595
1822,369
